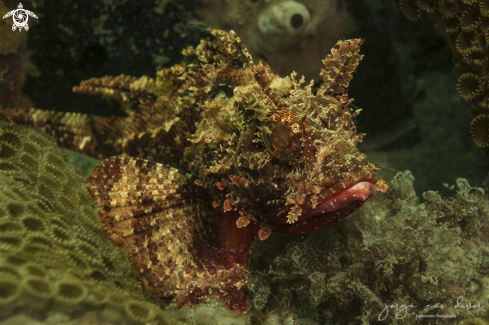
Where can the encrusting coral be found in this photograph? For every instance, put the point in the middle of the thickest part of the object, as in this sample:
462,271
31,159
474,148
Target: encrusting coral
55,259
465,26
395,250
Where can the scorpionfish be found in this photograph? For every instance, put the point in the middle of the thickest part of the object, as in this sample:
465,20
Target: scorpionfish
211,153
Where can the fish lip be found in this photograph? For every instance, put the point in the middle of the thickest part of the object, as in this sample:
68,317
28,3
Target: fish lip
360,190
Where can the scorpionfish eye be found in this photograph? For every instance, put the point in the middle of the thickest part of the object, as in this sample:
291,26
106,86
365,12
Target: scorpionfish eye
283,136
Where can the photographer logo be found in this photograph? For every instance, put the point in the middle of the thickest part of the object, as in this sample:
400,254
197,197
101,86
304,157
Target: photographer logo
20,17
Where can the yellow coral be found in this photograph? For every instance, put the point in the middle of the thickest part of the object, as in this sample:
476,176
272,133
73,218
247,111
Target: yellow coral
480,130
54,255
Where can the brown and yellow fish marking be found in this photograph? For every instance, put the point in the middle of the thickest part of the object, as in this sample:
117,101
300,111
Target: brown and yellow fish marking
182,250
247,149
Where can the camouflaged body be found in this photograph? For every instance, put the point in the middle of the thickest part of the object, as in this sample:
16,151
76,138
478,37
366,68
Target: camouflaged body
229,145
243,166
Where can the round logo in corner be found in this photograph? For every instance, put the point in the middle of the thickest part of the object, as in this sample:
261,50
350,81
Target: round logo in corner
20,17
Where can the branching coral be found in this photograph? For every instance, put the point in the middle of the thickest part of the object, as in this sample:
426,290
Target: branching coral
394,250
465,26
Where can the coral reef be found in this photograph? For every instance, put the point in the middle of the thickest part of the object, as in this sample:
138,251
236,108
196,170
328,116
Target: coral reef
56,263
259,150
465,26
395,250
289,35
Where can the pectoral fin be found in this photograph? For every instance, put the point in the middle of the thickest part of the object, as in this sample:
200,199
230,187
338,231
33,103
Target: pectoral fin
181,250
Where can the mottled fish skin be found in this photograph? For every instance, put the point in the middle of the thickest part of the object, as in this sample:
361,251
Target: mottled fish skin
182,250
273,150
248,148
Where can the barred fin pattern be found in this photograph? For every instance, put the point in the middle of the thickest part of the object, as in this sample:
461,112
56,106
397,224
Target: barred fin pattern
339,66
75,131
103,137
181,250
156,126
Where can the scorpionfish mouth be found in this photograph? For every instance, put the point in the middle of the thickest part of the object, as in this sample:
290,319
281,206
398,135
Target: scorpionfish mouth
333,205
350,196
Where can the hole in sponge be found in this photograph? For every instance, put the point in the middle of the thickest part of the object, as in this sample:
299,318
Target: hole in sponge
296,20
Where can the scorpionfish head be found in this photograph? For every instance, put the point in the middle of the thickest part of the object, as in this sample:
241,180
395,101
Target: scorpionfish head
280,154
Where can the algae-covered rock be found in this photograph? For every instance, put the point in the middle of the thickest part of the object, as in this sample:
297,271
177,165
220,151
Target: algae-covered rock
56,263
395,250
